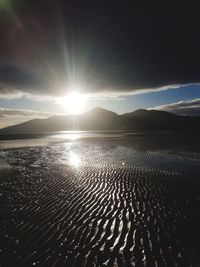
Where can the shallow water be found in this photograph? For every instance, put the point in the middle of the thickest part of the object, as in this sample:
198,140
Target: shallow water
38,139
101,201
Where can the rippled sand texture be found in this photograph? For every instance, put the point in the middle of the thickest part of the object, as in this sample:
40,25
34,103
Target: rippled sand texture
89,204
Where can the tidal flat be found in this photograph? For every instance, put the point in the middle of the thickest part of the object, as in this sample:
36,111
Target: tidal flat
116,200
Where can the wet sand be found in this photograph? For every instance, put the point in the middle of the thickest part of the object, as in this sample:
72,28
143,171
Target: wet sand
100,203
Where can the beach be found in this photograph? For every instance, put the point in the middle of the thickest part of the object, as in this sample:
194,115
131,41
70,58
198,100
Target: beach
117,200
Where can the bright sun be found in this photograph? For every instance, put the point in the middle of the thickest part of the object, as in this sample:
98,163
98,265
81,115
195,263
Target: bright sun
74,102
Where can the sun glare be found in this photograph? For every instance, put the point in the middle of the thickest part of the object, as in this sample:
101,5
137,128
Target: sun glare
74,102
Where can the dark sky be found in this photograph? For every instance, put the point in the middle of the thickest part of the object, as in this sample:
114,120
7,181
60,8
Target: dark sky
47,46
112,50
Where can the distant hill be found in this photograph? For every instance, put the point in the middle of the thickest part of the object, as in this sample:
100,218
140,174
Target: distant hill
100,119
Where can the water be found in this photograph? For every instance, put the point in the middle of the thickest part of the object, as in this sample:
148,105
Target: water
139,140
38,139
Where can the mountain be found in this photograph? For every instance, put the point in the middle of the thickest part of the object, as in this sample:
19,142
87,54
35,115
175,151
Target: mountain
100,119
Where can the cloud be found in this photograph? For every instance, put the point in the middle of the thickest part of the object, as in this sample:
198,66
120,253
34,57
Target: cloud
15,82
111,94
18,82
14,116
184,107
121,47
4,112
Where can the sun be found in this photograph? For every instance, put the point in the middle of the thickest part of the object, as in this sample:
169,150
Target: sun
74,102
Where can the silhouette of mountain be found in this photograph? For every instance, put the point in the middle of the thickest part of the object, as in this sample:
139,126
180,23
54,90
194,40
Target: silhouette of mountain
101,119
146,113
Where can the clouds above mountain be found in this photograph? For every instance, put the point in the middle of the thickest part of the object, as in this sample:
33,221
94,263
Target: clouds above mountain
47,47
22,112
185,107
12,116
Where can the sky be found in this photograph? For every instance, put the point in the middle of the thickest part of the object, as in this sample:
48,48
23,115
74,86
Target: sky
120,55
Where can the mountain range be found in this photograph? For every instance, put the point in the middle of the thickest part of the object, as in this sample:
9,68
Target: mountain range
99,119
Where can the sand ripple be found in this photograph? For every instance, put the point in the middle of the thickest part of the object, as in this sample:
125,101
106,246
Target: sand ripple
67,205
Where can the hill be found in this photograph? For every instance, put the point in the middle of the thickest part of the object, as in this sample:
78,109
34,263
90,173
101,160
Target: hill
100,119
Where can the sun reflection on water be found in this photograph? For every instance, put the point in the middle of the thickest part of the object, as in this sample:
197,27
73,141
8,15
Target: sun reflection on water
73,136
74,159
67,136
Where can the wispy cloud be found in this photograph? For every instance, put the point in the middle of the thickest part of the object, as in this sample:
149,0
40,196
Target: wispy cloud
184,107
111,93
4,112
106,94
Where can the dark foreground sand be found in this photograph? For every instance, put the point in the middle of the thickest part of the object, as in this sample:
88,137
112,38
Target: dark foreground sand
99,203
